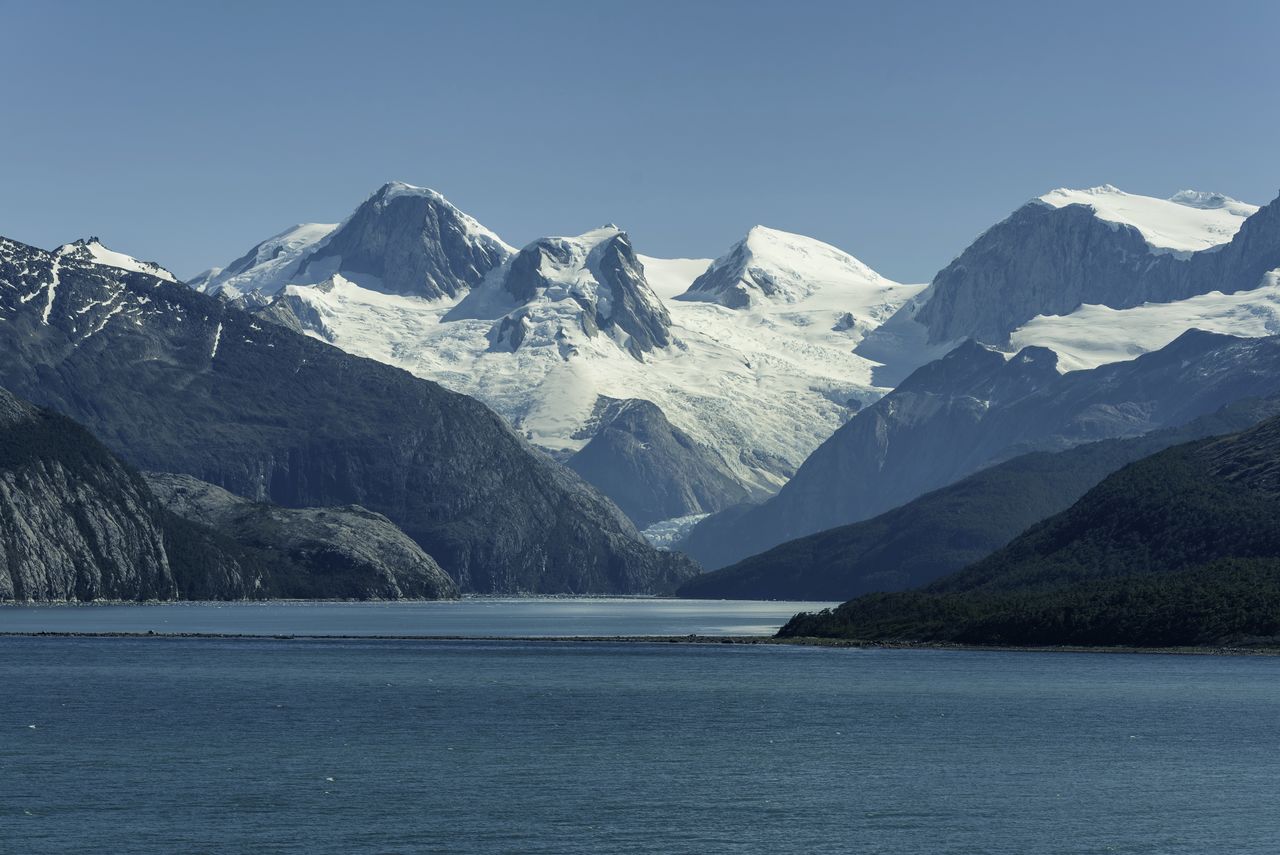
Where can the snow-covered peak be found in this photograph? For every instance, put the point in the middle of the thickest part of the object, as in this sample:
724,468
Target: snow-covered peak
91,250
782,267
1188,222
268,266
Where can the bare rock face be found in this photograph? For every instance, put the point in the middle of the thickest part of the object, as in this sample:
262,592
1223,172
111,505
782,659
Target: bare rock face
346,552
74,523
412,241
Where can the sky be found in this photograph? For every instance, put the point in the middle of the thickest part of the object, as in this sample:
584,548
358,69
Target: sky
184,133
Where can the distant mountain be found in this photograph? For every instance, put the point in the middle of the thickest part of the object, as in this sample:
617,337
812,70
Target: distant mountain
977,407
653,470
566,323
771,265
403,240
946,530
178,381
1179,548
1071,249
311,553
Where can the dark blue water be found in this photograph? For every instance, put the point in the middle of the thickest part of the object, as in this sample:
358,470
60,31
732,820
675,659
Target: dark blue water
327,746
489,617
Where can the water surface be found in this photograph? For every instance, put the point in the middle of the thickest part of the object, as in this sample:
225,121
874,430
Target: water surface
579,748
472,617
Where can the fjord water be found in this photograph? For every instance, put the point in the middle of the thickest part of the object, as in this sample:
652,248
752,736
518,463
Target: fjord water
132,745
487,617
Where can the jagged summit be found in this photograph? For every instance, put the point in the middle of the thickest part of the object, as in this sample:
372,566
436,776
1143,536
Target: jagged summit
558,290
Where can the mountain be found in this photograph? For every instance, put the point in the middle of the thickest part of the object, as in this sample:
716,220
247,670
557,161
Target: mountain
977,407
1077,248
772,265
178,381
402,240
91,250
567,324
653,470
946,530
312,553
1179,548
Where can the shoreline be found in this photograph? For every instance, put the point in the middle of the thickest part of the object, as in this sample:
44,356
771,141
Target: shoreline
737,640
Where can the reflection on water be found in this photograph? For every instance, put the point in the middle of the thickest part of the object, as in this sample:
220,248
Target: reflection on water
472,617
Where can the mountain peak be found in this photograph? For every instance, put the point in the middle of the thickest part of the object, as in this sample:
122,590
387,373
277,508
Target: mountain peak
773,265
92,251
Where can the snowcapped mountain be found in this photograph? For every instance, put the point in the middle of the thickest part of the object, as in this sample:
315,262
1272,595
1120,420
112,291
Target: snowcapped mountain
551,333
92,251
772,265
1184,223
1069,249
402,240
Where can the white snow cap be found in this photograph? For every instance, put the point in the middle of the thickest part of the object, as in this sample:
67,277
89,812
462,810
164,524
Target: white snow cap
92,250
1189,221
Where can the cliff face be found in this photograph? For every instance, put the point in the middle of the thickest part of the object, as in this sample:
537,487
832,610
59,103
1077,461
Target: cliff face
74,523
1046,260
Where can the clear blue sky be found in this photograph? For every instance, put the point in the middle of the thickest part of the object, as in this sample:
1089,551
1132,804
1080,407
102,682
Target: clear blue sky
185,132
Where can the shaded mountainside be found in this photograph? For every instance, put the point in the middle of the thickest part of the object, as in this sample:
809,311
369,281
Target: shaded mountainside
174,380
1182,547
651,469
949,529
75,524
975,408
312,553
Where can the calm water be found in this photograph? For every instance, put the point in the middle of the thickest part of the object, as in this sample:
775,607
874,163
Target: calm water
523,618
329,746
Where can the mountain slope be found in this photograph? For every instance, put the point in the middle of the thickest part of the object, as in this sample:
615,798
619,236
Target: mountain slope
178,381
975,408
651,469
1179,548
312,553
946,530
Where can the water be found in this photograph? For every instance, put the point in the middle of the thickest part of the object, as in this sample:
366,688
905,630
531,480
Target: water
508,618
343,746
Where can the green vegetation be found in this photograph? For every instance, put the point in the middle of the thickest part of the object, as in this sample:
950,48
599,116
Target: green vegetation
1179,548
